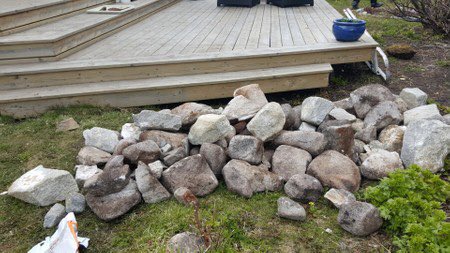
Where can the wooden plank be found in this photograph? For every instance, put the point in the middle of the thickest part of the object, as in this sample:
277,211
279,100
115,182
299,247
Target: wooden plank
324,26
297,36
264,39
222,37
242,39
286,36
255,31
311,23
275,31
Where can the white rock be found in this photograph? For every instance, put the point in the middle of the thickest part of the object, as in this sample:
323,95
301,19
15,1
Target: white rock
84,172
130,130
315,109
341,114
156,168
209,128
339,196
413,97
380,163
268,122
101,138
422,112
41,186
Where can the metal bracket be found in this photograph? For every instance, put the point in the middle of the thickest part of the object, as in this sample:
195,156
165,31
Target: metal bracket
373,64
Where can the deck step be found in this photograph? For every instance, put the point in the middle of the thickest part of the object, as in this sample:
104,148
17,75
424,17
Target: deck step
24,14
161,90
60,38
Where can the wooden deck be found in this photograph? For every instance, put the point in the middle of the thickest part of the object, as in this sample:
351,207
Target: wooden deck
178,50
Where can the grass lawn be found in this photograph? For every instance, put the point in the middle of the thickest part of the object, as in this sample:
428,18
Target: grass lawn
237,224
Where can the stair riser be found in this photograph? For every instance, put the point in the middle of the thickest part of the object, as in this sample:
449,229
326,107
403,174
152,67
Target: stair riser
165,96
16,20
21,81
76,42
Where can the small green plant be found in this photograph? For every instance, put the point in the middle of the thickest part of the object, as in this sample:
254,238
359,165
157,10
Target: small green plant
410,202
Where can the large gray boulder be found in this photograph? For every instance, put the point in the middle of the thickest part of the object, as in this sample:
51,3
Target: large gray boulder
84,172
215,156
268,122
428,112
209,128
54,215
151,120
382,115
315,109
359,218
313,142
245,179
146,151
426,143
151,189
112,206
304,188
192,172
101,138
114,177
336,170
75,202
186,242
413,97
288,161
189,112
380,163
289,209
43,187
366,97
246,148
247,101
92,156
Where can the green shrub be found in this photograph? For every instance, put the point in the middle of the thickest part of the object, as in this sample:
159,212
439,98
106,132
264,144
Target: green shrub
410,202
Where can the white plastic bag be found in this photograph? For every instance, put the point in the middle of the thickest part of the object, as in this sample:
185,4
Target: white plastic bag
65,239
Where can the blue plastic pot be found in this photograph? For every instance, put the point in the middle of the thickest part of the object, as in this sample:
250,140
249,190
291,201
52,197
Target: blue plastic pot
348,31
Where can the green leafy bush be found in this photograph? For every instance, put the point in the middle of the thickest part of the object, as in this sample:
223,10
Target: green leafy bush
410,202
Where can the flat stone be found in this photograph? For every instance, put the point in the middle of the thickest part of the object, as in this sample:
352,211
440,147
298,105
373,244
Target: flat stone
84,172
336,170
43,187
240,108
339,197
341,114
380,163
54,215
189,112
186,242
392,138
75,203
174,156
315,109
313,142
156,168
67,125
289,209
209,128
92,156
245,179
382,115
366,97
146,151
151,120
426,143
101,138
114,177
359,218
215,156
246,148
192,172
151,189
112,206
268,122
303,188
305,126
288,161
427,112
130,130
414,97
180,194
123,144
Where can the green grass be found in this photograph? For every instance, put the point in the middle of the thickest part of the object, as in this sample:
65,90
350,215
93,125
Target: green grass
238,224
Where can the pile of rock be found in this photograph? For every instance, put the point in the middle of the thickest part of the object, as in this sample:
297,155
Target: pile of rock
256,146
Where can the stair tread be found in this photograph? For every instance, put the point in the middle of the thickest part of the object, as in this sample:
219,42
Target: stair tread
62,28
17,6
158,82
